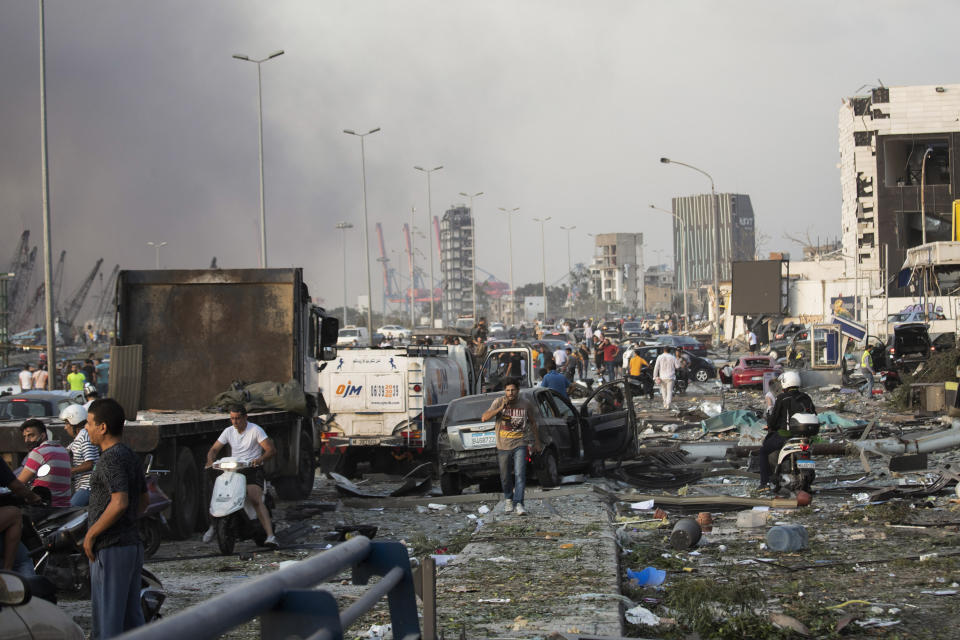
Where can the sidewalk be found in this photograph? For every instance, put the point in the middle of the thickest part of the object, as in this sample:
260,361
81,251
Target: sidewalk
553,570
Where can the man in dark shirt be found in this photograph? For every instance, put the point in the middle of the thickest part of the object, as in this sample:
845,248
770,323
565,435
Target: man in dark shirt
118,495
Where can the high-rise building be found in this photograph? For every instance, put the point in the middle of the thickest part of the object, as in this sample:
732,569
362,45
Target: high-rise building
736,235
617,270
456,264
892,140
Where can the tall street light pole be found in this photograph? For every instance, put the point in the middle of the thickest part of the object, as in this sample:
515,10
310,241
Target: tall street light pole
343,226
508,213
543,264
473,249
569,263
683,258
366,227
716,243
157,245
430,237
45,197
263,222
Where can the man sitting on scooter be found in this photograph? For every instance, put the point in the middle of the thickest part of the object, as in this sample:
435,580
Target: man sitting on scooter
789,402
248,443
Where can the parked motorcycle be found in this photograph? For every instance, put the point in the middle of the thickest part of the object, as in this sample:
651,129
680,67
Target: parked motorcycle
153,524
54,541
793,467
234,517
580,388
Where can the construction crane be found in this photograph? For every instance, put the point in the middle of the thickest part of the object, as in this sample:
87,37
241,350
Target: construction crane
58,280
69,314
21,257
107,294
26,318
391,287
22,283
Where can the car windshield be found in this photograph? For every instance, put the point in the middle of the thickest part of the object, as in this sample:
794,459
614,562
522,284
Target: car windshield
632,326
23,409
756,363
348,333
468,410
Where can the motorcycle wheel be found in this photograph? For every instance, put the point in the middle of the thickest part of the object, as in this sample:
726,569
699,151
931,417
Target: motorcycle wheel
226,534
806,480
150,535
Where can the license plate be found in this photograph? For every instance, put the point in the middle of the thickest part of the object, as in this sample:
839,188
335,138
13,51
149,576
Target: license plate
479,440
757,378
806,464
364,441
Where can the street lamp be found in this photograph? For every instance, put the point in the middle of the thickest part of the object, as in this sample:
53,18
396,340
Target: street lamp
157,245
429,235
510,244
343,226
263,222
48,323
683,258
569,263
473,249
366,228
923,184
543,264
716,242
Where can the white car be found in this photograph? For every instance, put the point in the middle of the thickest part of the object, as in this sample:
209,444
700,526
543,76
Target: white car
353,337
394,332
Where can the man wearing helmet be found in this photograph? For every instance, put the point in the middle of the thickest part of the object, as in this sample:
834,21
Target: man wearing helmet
90,394
83,453
792,400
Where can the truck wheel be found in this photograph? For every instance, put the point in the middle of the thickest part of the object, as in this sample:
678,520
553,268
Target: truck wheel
226,534
548,474
186,496
451,483
298,487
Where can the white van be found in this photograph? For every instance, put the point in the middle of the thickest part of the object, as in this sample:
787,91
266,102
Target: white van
351,336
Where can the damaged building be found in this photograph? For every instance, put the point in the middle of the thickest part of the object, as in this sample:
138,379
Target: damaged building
897,146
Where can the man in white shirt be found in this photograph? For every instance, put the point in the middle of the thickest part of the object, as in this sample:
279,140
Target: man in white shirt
26,378
248,443
588,334
627,354
752,340
560,359
665,374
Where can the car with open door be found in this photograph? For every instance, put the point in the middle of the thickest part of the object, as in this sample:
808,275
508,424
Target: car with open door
504,363
573,440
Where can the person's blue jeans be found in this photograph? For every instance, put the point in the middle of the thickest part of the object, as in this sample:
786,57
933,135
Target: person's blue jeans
115,590
867,388
513,473
80,498
609,365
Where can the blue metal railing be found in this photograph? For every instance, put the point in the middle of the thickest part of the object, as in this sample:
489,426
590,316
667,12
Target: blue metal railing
288,605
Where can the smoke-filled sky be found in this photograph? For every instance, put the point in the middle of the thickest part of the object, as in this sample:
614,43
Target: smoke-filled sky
561,108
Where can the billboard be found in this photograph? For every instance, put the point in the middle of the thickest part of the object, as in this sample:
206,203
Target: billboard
757,288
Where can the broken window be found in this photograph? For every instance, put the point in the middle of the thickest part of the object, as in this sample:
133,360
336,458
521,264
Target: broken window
903,160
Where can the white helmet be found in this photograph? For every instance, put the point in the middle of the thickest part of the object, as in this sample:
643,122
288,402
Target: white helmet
790,380
75,414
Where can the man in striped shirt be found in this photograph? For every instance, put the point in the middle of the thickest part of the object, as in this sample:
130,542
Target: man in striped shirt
46,451
83,453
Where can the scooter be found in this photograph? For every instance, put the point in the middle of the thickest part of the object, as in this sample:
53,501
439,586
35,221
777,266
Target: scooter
795,469
233,514
153,524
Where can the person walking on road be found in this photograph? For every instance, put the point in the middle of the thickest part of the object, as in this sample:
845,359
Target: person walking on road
118,496
665,375
516,427
866,368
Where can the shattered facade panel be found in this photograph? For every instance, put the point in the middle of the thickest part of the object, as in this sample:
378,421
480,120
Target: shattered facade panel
883,139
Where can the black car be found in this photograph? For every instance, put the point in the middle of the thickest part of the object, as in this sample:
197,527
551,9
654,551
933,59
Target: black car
700,369
611,329
37,404
634,329
908,346
604,427
688,344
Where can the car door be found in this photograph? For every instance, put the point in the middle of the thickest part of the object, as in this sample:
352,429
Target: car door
570,428
553,429
608,422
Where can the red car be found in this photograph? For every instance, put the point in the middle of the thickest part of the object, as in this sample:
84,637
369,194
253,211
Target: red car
749,370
